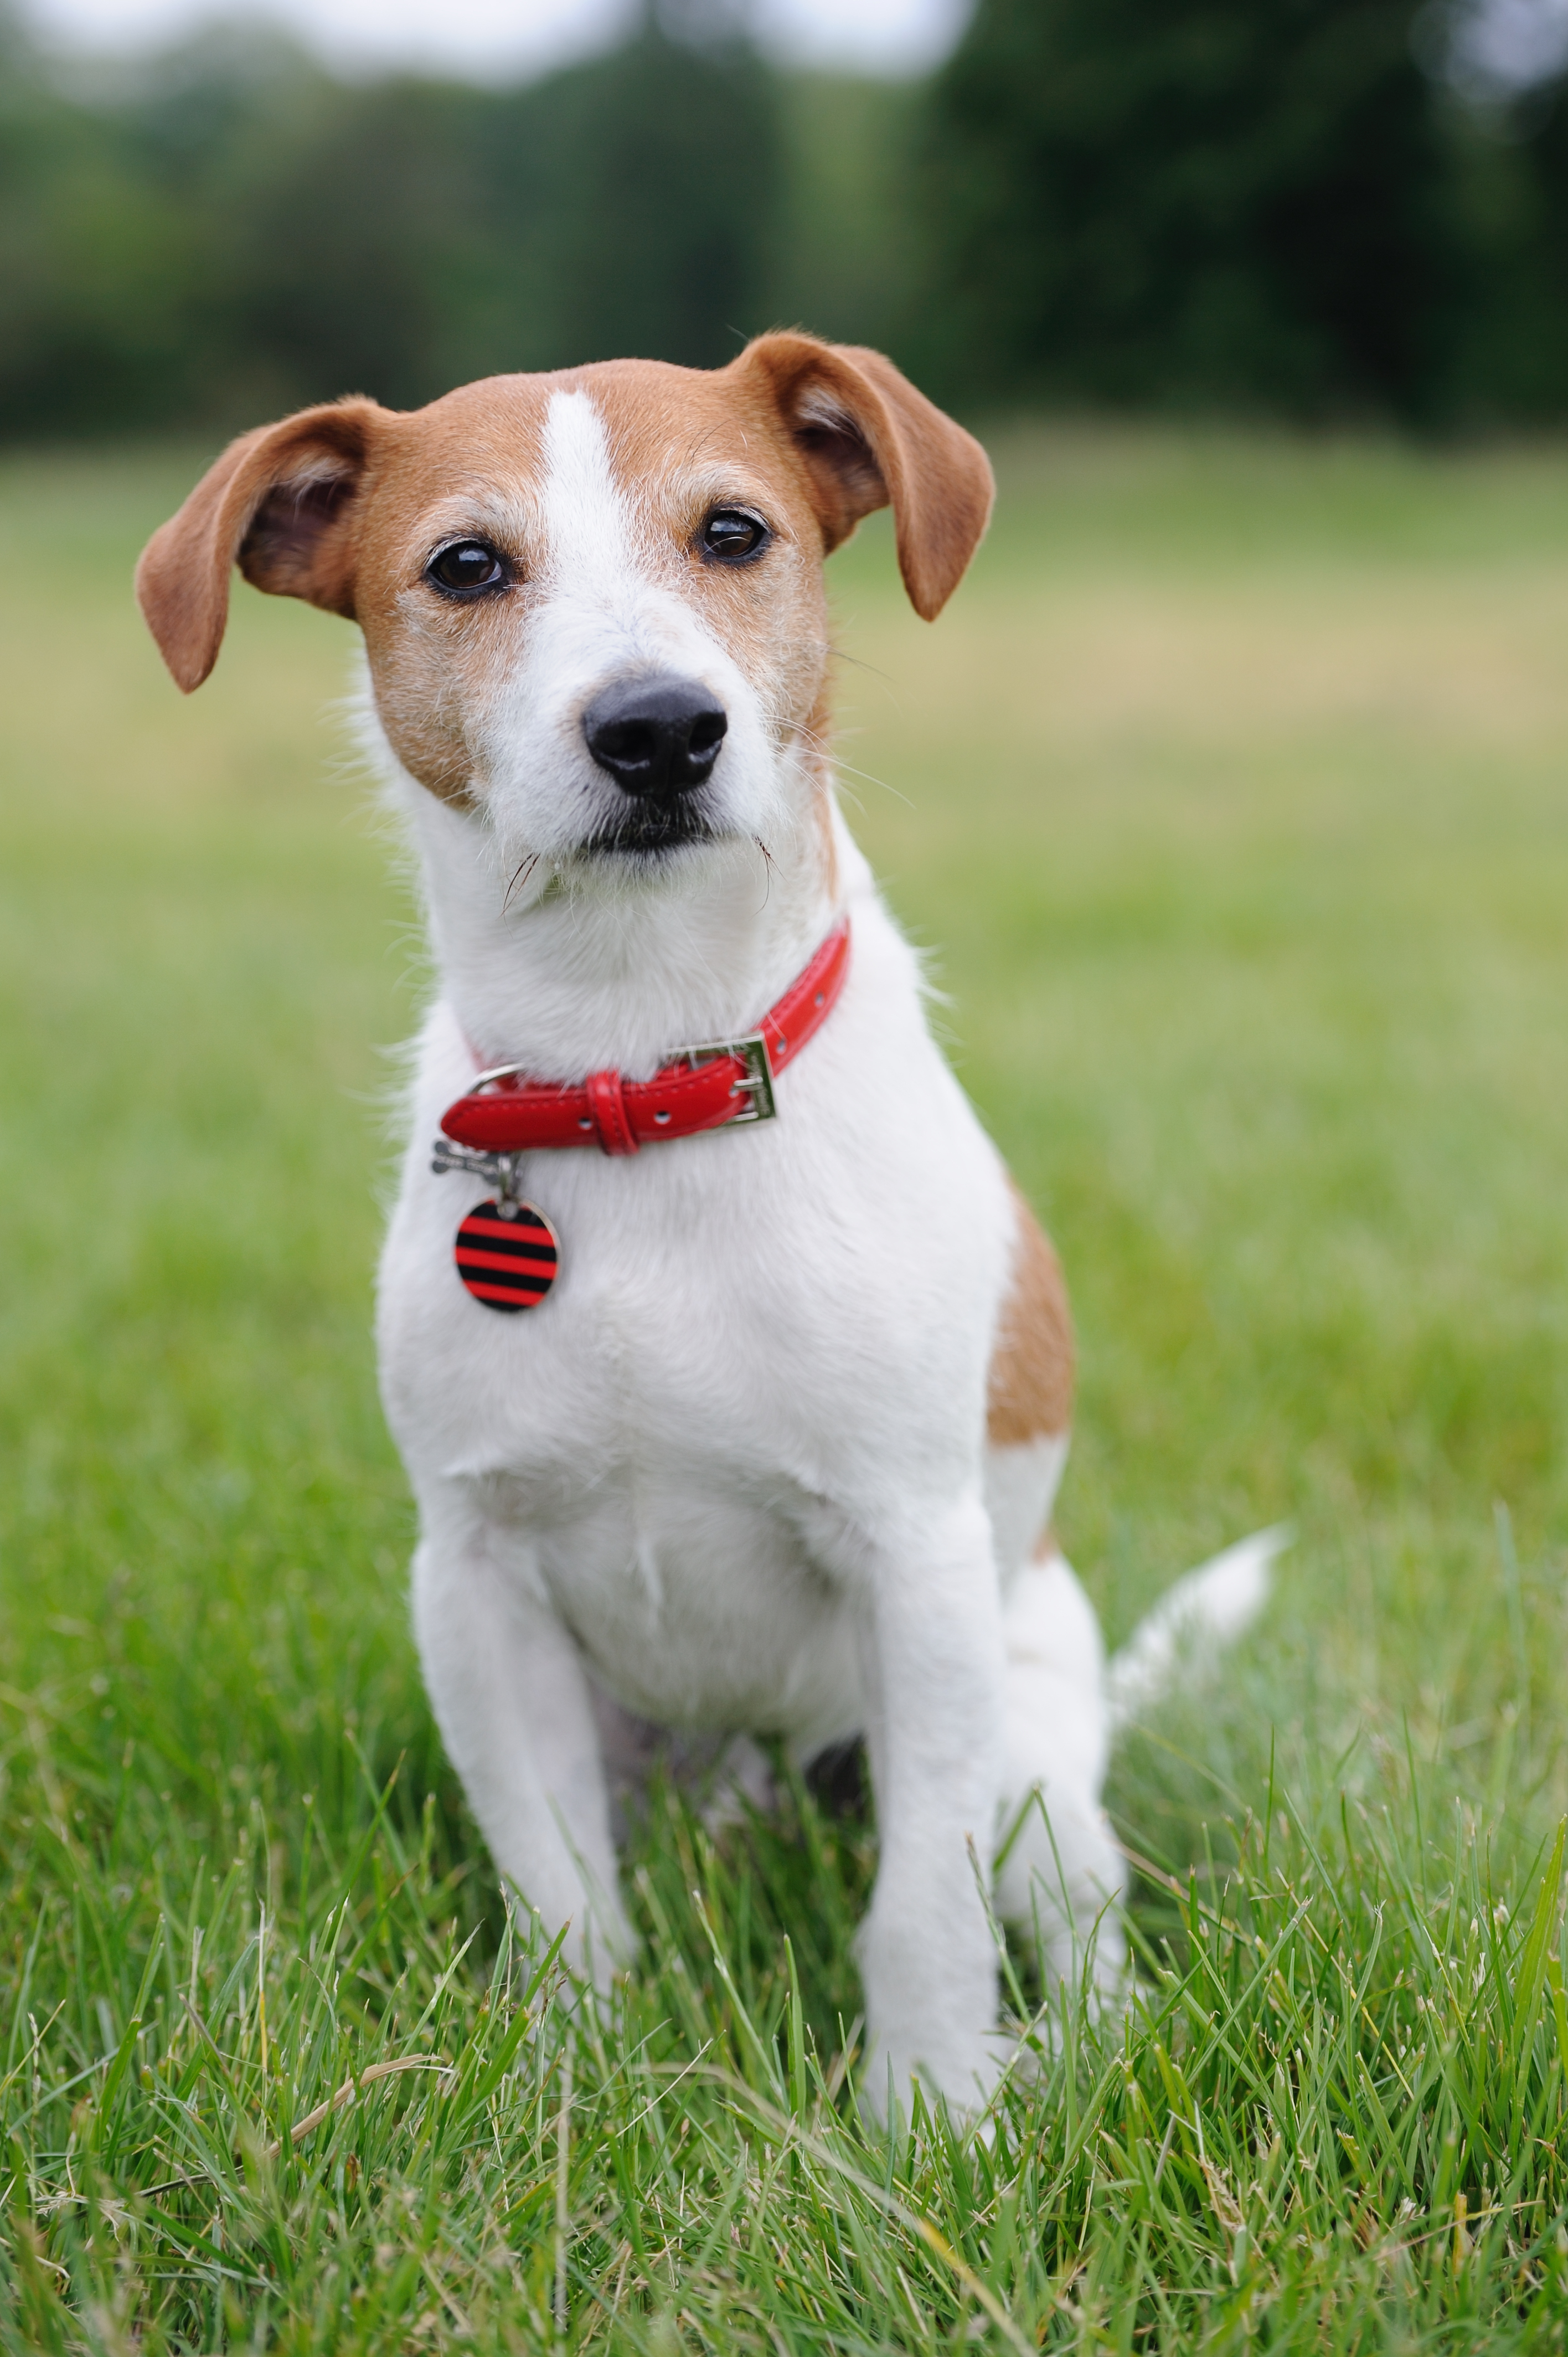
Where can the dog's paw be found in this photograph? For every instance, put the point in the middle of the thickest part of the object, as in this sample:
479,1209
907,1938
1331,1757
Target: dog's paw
962,2076
597,1948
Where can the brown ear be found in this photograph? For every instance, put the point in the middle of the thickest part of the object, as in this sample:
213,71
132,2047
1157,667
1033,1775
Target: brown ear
868,439
279,503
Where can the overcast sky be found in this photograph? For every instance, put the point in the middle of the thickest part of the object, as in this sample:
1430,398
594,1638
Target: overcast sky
496,39
1507,44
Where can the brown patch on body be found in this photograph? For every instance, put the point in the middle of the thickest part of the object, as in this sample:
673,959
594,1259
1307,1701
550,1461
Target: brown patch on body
1029,1395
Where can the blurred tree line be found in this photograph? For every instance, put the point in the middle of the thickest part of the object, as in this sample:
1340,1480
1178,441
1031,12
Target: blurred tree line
1280,205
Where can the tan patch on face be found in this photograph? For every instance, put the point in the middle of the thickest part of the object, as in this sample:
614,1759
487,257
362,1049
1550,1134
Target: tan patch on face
682,441
467,465
1029,1396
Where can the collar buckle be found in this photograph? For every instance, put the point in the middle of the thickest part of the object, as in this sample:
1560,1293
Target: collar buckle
496,1074
757,1085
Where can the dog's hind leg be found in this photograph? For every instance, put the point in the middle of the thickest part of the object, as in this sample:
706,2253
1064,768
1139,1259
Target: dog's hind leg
1060,1875
515,1713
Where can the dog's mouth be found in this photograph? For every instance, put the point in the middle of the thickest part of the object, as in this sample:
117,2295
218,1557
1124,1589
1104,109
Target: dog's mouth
649,830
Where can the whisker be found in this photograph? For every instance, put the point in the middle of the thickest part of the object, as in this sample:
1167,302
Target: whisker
849,769
524,873
858,662
829,753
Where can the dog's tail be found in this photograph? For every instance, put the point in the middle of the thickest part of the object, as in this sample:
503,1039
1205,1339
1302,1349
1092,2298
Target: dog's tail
1192,1623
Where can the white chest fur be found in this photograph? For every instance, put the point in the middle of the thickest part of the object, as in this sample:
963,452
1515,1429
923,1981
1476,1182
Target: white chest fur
753,1341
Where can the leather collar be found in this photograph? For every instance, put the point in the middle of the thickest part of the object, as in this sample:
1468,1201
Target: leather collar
721,1084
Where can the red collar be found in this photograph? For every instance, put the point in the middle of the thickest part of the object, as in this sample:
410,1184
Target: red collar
720,1085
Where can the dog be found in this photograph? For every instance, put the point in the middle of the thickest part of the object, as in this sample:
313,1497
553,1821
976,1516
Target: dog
741,1401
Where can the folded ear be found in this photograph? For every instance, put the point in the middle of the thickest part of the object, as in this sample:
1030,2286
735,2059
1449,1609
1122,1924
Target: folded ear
869,439
279,503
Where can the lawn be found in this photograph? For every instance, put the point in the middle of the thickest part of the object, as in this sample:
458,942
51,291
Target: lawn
1230,799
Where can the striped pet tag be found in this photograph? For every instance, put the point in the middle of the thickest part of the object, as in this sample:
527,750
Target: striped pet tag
506,1262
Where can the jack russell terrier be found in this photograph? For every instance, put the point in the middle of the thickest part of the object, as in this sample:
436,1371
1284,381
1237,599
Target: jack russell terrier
741,1399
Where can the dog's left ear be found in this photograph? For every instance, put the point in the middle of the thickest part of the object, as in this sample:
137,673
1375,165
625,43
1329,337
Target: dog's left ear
279,503
869,440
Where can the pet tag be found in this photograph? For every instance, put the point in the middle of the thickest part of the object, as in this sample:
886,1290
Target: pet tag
506,1258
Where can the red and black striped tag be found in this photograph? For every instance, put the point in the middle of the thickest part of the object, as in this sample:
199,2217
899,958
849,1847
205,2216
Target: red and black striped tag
506,1262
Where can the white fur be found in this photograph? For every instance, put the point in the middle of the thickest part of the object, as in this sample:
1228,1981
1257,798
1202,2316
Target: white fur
1021,1485
732,1474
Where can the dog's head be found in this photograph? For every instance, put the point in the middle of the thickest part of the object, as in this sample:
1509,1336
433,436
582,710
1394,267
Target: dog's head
592,602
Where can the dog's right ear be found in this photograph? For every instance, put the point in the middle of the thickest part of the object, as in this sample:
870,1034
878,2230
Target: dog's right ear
280,504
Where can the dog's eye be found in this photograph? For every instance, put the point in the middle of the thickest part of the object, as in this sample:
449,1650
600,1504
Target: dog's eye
465,568
731,535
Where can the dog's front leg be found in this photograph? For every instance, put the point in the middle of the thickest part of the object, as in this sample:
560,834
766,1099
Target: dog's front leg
934,1673
513,1704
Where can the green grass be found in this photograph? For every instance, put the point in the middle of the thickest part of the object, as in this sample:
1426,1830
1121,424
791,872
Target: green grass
1230,798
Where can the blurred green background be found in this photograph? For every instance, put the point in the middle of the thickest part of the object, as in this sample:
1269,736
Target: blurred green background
1320,209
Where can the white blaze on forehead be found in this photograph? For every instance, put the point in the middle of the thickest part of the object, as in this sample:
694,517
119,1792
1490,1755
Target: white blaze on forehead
587,517
612,602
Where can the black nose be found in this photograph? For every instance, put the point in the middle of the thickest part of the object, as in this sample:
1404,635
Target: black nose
655,737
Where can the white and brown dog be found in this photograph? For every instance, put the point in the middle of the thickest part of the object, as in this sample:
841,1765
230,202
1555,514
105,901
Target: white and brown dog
773,1448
